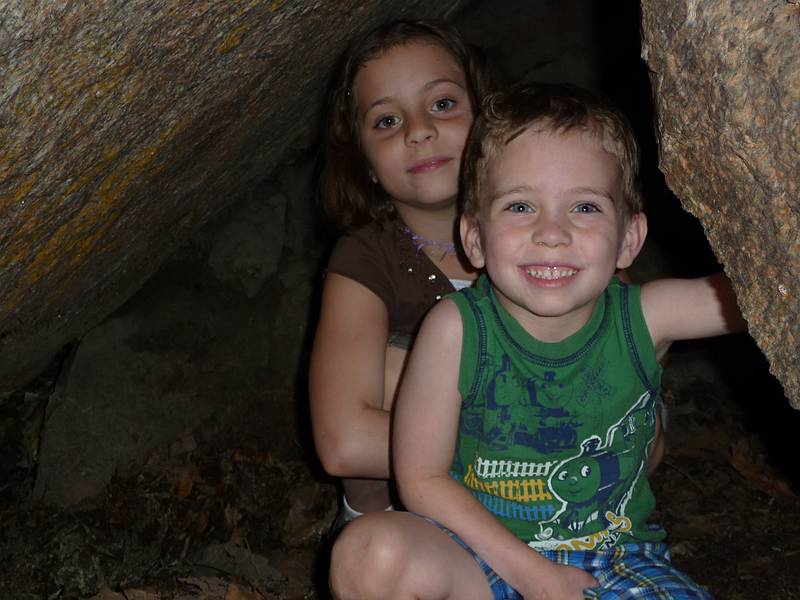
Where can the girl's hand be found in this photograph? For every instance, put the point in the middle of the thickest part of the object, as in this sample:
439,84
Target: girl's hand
562,582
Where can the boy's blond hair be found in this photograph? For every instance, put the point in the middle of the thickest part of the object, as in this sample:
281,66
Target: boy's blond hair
554,108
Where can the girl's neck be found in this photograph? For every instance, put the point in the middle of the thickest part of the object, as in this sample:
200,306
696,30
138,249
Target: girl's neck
438,225
433,224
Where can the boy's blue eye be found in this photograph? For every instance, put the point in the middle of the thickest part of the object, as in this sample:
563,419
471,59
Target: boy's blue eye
443,104
519,207
587,207
386,122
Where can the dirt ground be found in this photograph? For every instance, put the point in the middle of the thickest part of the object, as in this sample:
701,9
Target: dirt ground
728,489
226,520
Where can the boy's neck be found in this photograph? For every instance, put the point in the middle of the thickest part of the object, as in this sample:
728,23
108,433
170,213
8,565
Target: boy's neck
550,330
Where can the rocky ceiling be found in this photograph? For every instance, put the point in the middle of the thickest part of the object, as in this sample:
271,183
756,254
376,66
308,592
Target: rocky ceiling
124,126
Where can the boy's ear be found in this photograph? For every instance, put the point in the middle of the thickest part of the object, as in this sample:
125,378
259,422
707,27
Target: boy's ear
633,240
471,240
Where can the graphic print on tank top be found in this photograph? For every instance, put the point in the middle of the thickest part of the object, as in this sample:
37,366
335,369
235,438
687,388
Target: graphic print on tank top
582,497
548,426
596,485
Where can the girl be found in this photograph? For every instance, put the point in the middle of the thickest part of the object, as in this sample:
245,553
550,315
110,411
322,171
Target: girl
400,111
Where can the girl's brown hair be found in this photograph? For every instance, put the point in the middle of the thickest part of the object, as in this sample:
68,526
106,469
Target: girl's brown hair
349,196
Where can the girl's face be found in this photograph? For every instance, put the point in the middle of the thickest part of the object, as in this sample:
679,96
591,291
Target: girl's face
413,115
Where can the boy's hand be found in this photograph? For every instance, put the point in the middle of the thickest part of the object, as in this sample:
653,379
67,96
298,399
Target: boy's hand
562,582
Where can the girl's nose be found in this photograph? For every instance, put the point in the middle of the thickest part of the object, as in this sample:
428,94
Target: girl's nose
419,129
551,231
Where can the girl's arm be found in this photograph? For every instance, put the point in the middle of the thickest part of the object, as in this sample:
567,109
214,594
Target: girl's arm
346,381
684,309
424,437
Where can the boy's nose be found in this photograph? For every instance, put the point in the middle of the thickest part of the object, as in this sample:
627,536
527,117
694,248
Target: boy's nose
551,232
419,129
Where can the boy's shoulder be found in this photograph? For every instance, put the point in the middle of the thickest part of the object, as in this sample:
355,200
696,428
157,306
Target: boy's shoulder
444,319
624,295
467,298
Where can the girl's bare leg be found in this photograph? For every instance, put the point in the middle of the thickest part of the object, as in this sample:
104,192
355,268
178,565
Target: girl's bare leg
370,495
400,556
396,359
367,495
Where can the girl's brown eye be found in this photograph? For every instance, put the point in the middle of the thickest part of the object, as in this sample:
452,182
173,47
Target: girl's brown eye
444,104
386,122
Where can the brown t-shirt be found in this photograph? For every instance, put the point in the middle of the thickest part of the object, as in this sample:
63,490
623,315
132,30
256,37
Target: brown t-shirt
383,259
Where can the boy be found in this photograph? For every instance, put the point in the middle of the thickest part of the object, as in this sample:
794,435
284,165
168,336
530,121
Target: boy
527,412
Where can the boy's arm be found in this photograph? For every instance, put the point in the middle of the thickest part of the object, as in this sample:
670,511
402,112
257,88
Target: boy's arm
424,436
684,309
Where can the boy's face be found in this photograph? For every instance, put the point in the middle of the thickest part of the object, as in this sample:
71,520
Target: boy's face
549,232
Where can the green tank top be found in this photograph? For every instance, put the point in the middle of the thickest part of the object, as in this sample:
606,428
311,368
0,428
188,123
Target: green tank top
553,437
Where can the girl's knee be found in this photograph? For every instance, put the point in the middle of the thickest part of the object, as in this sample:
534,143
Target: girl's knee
368,558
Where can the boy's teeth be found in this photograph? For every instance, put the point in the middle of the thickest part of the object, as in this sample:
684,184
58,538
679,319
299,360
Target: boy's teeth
550,272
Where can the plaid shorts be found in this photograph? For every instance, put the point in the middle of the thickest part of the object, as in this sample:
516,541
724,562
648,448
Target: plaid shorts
627,572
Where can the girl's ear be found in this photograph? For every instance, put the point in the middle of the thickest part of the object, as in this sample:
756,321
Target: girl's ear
633,240
471,240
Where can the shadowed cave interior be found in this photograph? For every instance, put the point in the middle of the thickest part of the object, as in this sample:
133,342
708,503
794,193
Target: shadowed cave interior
167,452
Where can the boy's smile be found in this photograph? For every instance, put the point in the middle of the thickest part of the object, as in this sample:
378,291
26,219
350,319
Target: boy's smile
550,233
414,114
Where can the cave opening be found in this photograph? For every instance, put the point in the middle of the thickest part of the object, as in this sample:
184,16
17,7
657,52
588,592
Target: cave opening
167,449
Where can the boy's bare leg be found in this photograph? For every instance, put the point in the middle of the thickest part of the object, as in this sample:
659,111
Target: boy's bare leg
400,556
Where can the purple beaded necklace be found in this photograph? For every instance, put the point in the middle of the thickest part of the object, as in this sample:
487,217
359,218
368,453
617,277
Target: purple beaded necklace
420,241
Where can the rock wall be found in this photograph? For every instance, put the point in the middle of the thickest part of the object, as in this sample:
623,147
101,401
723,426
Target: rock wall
726,84
124,126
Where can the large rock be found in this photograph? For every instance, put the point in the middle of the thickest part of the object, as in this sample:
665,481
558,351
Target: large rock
126,125
726,81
